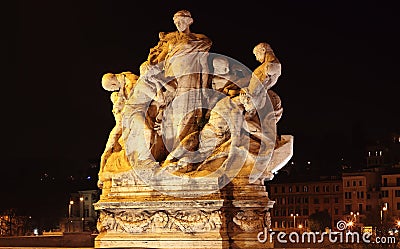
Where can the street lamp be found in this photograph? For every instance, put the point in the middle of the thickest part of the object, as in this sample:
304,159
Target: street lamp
81,199
356,215
69,215
294,219
69,208
350,224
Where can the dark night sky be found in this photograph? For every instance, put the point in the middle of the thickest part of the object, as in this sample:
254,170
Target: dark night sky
339,58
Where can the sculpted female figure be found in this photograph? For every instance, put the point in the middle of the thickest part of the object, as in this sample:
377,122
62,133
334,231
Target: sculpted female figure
168,96
165,105
183,55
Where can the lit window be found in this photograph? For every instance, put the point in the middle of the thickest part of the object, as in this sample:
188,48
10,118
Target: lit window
369,153
380,153
376,153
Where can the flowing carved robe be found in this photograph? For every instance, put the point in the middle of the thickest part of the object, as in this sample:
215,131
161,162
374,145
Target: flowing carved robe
185,61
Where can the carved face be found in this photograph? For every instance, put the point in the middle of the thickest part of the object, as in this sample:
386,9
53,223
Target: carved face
182,23
259,52
107,223
110,82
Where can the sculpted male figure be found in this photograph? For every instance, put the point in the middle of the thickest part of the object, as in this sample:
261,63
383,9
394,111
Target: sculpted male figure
269,70
113,159
140,113
263,78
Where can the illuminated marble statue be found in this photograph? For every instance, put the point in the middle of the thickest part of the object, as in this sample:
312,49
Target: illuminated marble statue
194,143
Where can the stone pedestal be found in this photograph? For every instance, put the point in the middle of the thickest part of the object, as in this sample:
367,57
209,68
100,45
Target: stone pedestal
186,213
246,211
139,217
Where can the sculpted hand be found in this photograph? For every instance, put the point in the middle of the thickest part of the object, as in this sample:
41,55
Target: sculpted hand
158,127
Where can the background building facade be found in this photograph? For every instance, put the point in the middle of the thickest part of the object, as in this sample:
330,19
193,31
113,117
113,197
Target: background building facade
81,214
296,201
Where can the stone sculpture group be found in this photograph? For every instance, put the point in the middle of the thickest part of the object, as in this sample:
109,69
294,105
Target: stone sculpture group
192,124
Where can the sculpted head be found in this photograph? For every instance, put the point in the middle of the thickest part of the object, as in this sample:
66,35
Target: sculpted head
261,50
110,82
183,20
